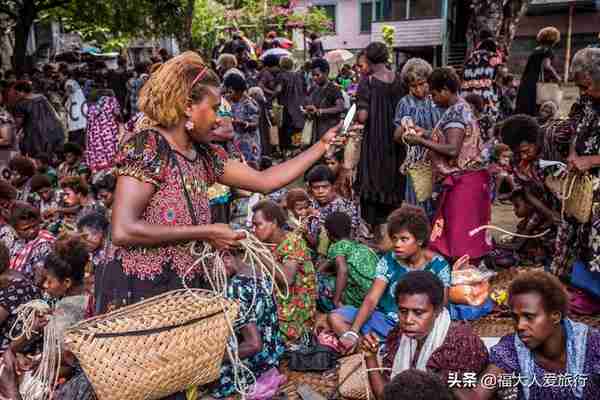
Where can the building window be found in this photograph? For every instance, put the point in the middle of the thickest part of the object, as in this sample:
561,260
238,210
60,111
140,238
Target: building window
330,11
399,10
366,15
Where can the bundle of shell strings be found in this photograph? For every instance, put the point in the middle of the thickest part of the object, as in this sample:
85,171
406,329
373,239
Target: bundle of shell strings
40,385
262,263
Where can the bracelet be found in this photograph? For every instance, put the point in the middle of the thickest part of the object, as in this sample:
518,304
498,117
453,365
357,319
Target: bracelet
351,333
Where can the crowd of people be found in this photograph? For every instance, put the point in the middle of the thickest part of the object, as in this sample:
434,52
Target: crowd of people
108,177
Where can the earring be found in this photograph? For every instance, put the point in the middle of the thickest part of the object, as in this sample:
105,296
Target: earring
189,125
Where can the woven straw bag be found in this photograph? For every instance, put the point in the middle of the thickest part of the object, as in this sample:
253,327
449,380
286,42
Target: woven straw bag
576,192
154,348
352,151
421,174
353,378
307,132
277,113
273,135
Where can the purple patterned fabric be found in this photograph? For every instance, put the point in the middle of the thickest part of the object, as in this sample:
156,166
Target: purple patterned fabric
504,356
102,133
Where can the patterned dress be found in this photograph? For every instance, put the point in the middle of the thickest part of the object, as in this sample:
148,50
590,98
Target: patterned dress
297,311
247,141
362,264
479,77
576,241
17,291
149,271
257,306
102,133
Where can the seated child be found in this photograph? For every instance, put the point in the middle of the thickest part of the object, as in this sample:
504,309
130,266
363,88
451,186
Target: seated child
501,171
320,182
531,222
297,203
343,176
354,265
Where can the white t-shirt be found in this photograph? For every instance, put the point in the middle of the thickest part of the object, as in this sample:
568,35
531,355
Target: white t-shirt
76,106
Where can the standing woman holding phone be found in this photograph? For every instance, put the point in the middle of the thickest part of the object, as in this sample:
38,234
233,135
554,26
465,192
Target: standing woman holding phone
164,171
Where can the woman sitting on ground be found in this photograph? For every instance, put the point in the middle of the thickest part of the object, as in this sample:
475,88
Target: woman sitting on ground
33,245
260,345
296,311
15,290
549,356
354,265
424,337
408,228
522,133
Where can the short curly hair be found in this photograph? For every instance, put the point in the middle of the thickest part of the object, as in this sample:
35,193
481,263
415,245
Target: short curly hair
414,70
294,196
412,219
39,182
548,36
68,259
271,212
339,225
520,128
421,282
23,165
164,97
7,191
414,384
76,183
444,78
22,212
286,63
551,290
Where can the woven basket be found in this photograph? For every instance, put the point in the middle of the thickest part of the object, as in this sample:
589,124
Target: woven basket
576,191
352,151
154,348
325,383
353,378
421,174
493,326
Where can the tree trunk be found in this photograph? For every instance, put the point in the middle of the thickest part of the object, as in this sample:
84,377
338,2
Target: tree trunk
187,42
26,17
501,17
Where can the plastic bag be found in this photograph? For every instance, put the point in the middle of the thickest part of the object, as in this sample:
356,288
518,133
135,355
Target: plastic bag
470,286
267,385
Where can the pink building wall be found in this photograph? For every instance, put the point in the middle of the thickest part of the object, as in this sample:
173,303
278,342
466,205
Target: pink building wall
348,35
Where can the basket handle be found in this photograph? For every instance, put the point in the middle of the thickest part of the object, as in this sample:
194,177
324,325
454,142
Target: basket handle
153,330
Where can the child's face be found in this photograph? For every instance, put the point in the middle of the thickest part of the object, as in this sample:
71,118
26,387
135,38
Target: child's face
92,239
505,158
46,193
521,207
300,209
333,165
